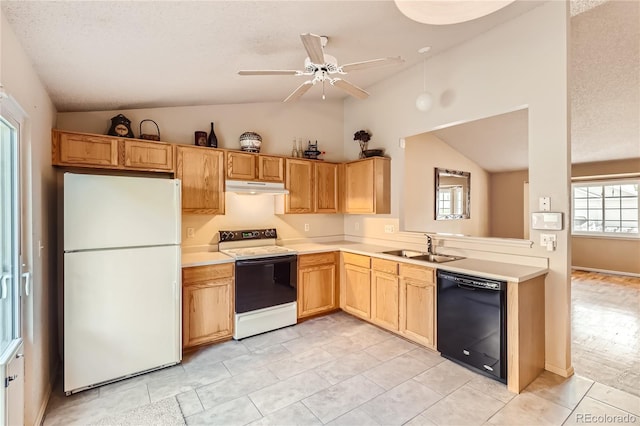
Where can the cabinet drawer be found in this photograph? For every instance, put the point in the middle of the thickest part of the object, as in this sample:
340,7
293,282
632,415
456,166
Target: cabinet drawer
357,259
383,265
420,273
207,273
305,260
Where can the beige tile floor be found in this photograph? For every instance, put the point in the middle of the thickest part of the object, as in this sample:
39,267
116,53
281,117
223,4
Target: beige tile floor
336,370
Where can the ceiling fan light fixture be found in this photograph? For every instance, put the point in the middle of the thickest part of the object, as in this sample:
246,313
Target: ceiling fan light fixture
446,12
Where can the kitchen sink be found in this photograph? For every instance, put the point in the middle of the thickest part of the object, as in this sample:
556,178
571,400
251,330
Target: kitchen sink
436,258
404,253
418,255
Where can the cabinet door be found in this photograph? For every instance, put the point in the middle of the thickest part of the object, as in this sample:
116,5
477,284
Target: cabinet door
270,169
326,180
202,175
241,165
357,288
367,186
299,182
207,311
385,300
359,187
71,149
417,311
148,155
316,290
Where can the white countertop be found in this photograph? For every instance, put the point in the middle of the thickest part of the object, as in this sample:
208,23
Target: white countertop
204,258
485,268
480,267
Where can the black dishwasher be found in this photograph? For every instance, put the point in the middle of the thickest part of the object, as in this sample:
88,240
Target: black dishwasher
472,320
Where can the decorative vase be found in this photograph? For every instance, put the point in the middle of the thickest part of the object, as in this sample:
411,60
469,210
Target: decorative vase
363,148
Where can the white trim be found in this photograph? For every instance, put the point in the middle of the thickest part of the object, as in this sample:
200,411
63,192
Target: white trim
47,396
606,271
608,236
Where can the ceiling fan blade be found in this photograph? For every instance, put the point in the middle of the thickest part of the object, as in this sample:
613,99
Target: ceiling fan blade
350,88
268,72
313,45
301,90
372,63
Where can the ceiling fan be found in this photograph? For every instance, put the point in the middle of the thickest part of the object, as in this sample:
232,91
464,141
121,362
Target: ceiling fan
321,67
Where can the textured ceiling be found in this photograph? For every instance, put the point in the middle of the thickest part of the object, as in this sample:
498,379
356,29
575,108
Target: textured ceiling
104,55
100,55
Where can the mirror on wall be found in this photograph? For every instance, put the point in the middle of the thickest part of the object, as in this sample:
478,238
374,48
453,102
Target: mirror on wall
494,152
452,194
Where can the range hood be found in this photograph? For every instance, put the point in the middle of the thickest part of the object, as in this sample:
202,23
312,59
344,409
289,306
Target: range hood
251,187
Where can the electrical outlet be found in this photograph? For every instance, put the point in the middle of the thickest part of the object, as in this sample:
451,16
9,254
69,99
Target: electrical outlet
546,238
190,232
356,226
544,204
306,226
388,229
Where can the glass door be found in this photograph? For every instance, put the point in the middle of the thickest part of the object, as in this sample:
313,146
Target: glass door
9,236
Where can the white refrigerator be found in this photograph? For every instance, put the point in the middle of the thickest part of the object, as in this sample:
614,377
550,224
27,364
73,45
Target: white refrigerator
122,280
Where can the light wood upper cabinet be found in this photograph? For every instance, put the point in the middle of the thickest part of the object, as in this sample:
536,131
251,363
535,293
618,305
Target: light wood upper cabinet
241,165
300,183
418,304
148,155
312,185
207,304
326,187
202,173
84,150
249,166
270,169
317,284
75,149
367,186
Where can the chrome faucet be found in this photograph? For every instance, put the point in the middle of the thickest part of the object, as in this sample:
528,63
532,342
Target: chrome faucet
429,244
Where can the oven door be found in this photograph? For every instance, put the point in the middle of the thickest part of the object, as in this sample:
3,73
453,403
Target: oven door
265,282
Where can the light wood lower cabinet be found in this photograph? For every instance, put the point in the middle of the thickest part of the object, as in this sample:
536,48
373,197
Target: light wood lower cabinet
201,171
207,304
355,295
385,293
317,284
418,304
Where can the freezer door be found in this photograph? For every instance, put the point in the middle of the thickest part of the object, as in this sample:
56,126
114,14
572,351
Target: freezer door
119,211
122,313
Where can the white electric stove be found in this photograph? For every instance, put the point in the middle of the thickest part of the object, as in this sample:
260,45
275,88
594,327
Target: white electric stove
266,281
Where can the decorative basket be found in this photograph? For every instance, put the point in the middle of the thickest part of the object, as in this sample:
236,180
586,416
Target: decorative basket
250,142
149,136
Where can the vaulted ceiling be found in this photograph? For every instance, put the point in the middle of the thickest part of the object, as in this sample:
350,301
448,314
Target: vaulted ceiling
104,55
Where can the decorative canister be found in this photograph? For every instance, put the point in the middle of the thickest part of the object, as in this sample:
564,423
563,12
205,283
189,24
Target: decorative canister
250,142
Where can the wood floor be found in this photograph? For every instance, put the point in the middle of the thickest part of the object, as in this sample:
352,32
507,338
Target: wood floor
606,329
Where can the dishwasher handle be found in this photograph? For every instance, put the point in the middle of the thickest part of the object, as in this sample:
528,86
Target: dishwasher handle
468,282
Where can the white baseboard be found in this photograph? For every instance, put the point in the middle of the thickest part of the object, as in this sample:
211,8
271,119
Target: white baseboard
606,271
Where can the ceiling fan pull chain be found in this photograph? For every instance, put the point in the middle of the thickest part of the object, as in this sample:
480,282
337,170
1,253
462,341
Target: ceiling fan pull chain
323,97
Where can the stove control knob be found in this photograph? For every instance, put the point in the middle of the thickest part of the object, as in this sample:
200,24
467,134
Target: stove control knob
256,234
268,233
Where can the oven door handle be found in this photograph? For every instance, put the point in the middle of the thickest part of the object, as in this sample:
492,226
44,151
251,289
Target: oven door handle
270,260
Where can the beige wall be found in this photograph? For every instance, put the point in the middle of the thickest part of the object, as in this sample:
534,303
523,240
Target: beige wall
277,123
606,254
39,310
422,154
506,203
522,63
